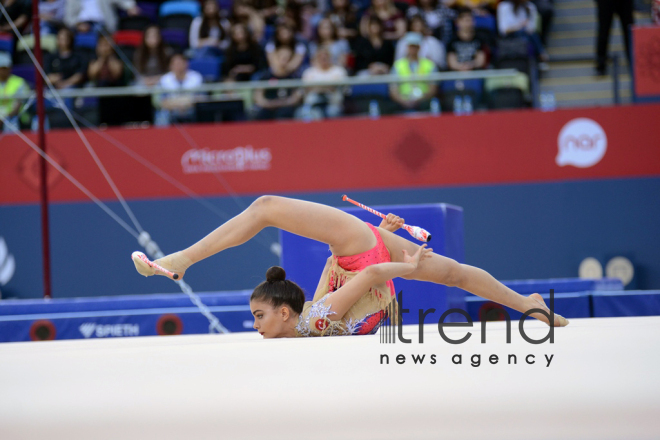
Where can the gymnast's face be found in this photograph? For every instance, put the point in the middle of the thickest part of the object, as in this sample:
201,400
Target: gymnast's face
269,321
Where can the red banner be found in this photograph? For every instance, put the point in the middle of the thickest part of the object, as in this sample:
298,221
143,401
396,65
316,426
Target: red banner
393,152
646,49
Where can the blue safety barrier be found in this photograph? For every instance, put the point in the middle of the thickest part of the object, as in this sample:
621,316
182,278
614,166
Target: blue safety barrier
628,303
304,259
130,315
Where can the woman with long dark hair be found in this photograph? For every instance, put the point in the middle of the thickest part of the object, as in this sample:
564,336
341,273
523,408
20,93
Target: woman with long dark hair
374,55
244,57
207,32
355,291
394,23
152,57
285,41
327,37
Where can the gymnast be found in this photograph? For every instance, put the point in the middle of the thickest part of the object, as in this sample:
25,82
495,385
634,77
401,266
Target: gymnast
355,291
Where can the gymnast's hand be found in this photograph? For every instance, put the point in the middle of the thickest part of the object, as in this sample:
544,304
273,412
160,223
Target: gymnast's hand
391,222
422,253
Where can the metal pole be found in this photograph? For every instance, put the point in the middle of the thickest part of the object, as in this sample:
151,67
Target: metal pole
45,234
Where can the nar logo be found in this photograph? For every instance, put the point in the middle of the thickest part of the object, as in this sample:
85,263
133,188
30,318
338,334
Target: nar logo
89,329
582,143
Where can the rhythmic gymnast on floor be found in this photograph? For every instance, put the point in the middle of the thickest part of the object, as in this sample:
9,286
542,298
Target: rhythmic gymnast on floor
356,289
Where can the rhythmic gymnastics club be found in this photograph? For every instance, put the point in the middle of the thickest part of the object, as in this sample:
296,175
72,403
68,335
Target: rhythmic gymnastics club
140,256
417,232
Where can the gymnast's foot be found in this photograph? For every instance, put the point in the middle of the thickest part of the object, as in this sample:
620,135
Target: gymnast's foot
538,302
177,263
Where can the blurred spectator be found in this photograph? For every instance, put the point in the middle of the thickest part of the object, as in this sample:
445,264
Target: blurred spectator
430,48
546,10
10,85
243,12
329,99
20,12
374,55
92,15
478,7
517,18
267,9
106,70
606,10
394,24
152,57
655,12
51,15
466,50
244,56
278,103
208,36
343,15
178,105
327,37
285,41
65,68
439,18
413,95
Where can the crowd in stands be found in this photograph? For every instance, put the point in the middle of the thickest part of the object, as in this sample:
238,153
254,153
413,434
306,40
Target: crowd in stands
179,45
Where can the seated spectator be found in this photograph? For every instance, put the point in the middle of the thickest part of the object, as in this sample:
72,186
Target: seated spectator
285,41
413,95
438,17
394,24
431,47
327,37
374,55
477,7
20,12
207,35
92,15
517,18
243,12
343,15
178,105
106,70
10,85
466,50
51,15
244,57
278,103
152,57
65,68
329,99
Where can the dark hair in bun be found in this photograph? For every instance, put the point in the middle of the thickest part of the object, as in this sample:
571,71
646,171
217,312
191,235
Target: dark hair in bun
275,273
278,291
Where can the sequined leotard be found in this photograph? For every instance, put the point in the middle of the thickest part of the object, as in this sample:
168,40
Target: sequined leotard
367,314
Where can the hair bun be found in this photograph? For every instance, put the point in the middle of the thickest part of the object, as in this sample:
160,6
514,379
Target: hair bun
275,273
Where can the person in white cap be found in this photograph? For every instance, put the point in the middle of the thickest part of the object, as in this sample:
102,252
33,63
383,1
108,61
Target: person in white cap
413,95
10,85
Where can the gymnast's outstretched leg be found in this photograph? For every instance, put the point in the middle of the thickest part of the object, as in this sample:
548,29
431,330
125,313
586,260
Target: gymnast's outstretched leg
346,234
442,270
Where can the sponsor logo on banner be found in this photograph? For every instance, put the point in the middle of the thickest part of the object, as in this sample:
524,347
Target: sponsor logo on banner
215,161
89,329
582,143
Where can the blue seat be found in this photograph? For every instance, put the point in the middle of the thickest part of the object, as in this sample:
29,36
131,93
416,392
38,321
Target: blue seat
485,22
371,90
25,71
190,7
87,41
208,67
474,85
6,44
175,37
